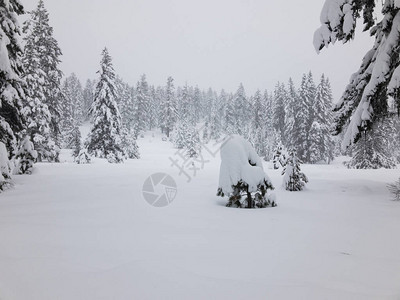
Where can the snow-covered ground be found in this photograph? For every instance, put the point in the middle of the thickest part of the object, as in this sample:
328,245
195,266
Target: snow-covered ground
85,232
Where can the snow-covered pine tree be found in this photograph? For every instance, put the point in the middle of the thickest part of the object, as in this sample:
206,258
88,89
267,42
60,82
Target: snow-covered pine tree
291,120
75,141
25,157
258,124
321,143
83,157
365,99
240,111
141,106
192,146
88,96
293,178
169,108
11,85
371,151
279,158
230,116
272,137
280,95
217,114
129,144
152,108
104,139
72,112
45,54
242,177
305,116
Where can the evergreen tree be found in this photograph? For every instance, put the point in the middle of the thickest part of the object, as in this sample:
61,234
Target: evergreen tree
129,144
293,178
72,112
152,108
291,119
104,139
364,100
321,144
371,152
280,96
240,111
11,85
88,96
75,141
169,108
141,105
217,114
43,57
304,110
272,137
258,124
25,157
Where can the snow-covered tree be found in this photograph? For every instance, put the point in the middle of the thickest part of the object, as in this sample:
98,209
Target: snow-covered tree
242,177
371,151
169,108
291,119
365,99
394,188
83,157
241,112
141,106
26,156
305,116
88,96
279,158
104,139
5,174
321,143
72,111
280,95
293,178
42,59
129,144
11,70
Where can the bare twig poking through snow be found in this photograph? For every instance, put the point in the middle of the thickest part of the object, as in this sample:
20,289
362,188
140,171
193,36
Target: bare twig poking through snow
394,188
242,177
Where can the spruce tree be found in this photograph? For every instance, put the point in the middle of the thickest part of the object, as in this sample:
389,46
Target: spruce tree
280,95
26,156
371,151
293,178
43,53
104,139
365,99
11,70
88,95
141,106
169,108
291,119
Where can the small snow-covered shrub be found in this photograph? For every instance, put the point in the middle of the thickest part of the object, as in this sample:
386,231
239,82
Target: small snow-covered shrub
394,188
5,176
242,177
83,157
26,157
293,178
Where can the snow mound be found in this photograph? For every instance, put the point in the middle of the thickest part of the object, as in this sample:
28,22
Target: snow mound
240,162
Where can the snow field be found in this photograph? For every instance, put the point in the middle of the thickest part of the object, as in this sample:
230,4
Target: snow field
85,232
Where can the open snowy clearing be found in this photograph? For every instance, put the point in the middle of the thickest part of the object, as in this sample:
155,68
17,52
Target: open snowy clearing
85,232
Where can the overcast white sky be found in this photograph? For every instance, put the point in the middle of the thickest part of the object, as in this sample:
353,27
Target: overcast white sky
211,43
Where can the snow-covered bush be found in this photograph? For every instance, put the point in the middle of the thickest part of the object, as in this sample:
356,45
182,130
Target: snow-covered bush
242,177
4,167
394,188
25,157
293,178
83,157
